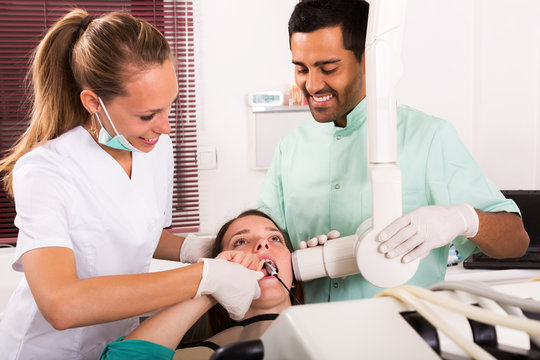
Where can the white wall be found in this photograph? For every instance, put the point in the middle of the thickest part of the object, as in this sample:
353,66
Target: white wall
437,57
244,47
474,63
508,93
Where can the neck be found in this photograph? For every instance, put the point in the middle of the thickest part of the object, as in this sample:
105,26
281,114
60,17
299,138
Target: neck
342,123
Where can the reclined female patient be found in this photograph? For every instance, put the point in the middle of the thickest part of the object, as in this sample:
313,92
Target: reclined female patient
249,239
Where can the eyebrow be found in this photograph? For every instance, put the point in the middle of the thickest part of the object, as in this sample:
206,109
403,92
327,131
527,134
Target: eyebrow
245,231
158,110
241,232
318,63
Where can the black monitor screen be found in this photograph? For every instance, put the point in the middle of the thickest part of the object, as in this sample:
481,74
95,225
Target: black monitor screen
528,202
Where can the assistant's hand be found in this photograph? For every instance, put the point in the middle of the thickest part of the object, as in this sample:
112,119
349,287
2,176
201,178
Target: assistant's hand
195,248
415,234
232,285
319,240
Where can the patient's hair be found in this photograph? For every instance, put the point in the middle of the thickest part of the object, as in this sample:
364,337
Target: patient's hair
218,317
351,15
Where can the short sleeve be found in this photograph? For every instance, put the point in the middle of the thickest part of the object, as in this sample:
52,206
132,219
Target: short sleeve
454,177
42,196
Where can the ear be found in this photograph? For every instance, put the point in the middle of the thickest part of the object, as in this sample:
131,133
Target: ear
363,64
90,101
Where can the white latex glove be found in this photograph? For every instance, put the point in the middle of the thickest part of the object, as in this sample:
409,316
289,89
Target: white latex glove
319,240
196,247
415,234
232,285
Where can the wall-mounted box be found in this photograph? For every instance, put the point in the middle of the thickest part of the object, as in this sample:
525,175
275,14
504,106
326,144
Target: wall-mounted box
267,125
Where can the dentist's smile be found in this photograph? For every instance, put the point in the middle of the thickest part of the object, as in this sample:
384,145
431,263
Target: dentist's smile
321,100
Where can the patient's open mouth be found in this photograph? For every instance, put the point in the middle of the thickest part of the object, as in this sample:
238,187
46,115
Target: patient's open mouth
272,270
271,267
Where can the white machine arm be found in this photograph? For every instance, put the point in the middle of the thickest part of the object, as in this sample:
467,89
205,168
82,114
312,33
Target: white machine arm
359,252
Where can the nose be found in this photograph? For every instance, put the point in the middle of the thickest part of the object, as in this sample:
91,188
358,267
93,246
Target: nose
262,245
163,126
314,82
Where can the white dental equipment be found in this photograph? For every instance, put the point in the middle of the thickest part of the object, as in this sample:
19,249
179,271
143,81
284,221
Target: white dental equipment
359,252
352,329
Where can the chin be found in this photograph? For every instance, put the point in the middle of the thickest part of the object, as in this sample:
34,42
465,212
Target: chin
321,116
271,296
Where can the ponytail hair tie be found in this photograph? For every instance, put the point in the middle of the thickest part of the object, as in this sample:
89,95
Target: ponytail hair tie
86,21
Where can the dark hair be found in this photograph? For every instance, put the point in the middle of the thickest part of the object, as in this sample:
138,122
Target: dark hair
218,318
351,15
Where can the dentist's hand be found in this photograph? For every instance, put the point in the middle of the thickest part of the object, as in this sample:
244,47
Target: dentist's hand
232,285
250,261
319,240
415,234
195,248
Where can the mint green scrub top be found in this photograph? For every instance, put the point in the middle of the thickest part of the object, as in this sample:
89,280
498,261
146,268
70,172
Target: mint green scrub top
318,181
135,350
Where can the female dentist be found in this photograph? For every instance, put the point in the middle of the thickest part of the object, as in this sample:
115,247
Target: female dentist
92,182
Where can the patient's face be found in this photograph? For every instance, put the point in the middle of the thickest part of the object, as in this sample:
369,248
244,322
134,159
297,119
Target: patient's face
258,235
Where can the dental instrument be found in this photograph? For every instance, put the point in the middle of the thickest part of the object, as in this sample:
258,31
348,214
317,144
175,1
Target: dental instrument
272,271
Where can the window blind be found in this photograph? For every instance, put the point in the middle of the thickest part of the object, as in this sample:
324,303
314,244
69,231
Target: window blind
22,25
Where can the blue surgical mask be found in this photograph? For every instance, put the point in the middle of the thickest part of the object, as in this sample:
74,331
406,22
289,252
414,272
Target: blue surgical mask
118,141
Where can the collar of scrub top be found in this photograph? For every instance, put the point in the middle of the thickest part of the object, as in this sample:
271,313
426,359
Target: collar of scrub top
357,117
355,120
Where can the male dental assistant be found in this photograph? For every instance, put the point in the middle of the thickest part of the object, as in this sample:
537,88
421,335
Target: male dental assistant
318,180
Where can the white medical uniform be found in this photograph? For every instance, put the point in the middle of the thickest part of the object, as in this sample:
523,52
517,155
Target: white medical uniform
71,193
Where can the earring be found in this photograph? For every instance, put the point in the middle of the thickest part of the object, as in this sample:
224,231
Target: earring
93,128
